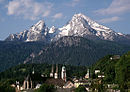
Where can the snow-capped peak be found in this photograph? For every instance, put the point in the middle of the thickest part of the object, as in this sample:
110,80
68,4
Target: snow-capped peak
52,29
80,15
76,26
79,25
91,22
39,26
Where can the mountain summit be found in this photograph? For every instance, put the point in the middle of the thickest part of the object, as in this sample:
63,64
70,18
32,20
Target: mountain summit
37,32
80,25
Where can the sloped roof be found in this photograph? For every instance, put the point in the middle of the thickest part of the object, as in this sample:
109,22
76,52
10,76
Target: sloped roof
56,82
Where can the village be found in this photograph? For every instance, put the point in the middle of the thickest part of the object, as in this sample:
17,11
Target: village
62,83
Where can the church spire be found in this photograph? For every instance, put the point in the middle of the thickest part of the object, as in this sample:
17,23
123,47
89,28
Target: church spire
33,71
63,73
87,76
52,71
56,68
56,73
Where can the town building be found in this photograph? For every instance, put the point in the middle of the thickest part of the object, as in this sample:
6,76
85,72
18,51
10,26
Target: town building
97,71
115,57
68,84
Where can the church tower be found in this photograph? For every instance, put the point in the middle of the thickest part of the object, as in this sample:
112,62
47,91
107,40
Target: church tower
52,71
33,71
56,73
63,73
87,75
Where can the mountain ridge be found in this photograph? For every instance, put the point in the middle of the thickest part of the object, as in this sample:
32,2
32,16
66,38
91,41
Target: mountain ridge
76,51
79,25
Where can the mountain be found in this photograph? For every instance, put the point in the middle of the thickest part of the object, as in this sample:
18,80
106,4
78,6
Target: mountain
67,50
38,32
76,51
81,41
79,25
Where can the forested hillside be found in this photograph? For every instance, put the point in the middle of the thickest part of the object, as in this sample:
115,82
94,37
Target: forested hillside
115,70
67,50
14,53
78,51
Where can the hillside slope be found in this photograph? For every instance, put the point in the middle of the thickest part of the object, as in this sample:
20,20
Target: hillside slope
67,50
14,53
115,70
77,51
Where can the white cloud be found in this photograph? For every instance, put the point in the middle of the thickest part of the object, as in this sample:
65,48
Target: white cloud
116,7
29,9
73,3
108,20
58,16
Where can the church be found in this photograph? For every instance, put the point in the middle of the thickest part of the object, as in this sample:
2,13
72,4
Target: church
56,78
56,74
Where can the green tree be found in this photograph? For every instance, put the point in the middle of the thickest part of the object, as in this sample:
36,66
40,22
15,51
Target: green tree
6,88
80,89
101,88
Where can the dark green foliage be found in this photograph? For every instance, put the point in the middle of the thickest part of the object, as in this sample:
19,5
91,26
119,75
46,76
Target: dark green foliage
80,89
116,71
123,71
98,86
21,71
67,50
5,86
107,66
14,53
101,88
79,51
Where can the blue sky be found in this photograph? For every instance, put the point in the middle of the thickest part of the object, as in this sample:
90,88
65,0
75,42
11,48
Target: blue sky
17,15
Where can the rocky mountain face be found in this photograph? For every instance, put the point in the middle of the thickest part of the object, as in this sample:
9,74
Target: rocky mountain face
80,25
71,50
38,32
76,51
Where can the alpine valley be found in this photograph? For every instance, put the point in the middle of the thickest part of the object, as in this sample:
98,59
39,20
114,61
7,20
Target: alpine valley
81,41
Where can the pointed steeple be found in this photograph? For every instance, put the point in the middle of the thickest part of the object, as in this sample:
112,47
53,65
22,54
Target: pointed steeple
33,71
56,68
56,73
52,71
87,76
63,73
